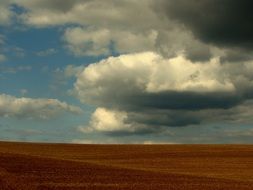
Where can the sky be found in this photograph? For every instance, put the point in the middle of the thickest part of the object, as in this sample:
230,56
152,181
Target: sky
110,71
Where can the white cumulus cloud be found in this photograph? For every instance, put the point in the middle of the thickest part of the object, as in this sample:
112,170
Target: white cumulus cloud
29,108
148,72
145,92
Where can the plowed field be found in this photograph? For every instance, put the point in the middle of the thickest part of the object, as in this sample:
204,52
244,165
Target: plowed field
28,166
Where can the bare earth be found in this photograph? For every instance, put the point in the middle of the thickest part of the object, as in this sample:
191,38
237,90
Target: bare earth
28,166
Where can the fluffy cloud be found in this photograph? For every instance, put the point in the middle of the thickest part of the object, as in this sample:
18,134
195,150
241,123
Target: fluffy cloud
148,75
167,27
87,42
116,122
117,14
112,26
72,70
29,108
92,42
147,91
105,120
185,77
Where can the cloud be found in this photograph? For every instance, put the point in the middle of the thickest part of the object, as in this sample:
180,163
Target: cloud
2,58
148,92
93,42
120,141
55,5
166,27
239,133
43,13
14,70
237,55
2,45
185,62
103,28
72,70
46,52
124,32
11,50
224,23
157,121
29,108
111,121
6,14
23,132
61,78
159,142
139,77
97,141
103,119
23,91
2,39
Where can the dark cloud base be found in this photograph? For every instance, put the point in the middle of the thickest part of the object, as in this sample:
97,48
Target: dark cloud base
221,22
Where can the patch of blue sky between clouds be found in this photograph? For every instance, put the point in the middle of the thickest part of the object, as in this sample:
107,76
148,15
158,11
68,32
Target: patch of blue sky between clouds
35,75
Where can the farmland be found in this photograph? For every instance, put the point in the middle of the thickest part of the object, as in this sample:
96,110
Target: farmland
30,166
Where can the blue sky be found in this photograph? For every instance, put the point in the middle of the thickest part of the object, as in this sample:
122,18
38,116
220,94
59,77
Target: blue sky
122,72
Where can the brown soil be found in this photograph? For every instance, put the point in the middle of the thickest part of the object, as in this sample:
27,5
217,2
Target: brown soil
29,166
